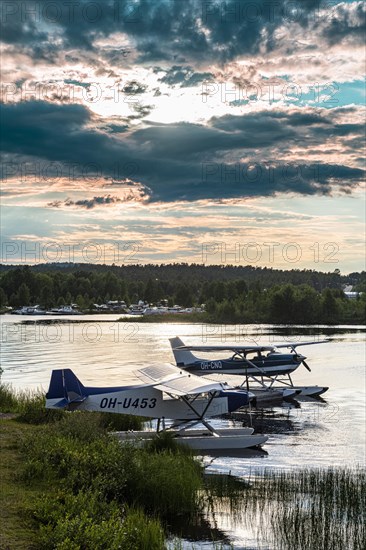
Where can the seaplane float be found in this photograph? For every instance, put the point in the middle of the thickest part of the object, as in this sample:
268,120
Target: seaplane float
270,371
168,393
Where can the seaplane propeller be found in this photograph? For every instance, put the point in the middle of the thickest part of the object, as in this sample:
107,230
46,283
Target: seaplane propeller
300,358
306,365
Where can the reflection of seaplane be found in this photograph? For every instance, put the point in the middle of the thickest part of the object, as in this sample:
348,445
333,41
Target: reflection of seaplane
168,393
251,363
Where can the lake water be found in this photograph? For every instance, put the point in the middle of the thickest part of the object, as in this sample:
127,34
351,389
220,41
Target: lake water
316,433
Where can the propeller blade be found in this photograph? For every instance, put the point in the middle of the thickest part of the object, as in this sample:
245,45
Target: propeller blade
306,365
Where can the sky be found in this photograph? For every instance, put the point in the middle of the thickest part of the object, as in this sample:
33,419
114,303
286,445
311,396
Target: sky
159,131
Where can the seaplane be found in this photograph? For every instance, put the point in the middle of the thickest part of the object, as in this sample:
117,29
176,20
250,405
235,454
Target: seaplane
271,371
168,393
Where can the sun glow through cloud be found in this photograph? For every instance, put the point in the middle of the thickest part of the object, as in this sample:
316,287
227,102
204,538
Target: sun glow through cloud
185,126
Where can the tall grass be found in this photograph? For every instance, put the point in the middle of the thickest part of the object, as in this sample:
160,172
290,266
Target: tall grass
8,399
29,405
309,509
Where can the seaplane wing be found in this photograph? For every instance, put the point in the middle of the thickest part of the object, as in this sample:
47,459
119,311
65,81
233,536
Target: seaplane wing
246,349
293,345
239,349
173,380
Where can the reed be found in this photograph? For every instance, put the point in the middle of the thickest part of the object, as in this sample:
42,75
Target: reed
309,509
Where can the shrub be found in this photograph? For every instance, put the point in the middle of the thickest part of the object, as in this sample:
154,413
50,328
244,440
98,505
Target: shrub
85,521
121,422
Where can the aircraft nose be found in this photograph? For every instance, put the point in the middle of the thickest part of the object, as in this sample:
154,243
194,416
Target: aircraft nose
237,399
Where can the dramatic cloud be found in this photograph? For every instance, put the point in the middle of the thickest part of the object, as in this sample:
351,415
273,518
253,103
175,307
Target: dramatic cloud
163,30
188,105
190,161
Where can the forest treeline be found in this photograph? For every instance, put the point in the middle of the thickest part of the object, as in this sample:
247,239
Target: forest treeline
231,293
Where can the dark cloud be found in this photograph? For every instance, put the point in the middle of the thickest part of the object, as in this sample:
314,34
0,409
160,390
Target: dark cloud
117,128
141,110
176,30
347,22
185,76
77,83
187,161
86,203
134,88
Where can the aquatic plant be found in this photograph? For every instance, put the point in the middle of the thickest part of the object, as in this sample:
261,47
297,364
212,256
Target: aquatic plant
308,509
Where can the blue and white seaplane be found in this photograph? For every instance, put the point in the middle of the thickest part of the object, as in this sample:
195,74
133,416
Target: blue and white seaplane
168,393
271,371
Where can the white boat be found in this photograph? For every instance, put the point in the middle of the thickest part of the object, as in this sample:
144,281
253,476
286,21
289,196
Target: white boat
205,440
29,310
65,310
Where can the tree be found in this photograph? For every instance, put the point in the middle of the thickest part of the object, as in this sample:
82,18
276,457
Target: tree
281,304
330,307
3,298
80,301
184,297
23,295
211,306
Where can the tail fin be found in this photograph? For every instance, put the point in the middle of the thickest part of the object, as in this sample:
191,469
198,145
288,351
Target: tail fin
182,357
65,391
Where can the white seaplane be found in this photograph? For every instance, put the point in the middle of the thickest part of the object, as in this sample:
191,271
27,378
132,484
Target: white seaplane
167,393
271,371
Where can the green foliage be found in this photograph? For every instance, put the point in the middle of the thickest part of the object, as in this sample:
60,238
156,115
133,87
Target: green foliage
3,298
31,406
165,483
121,422
8,399
166,441
23,295
28,405
86,522
78,450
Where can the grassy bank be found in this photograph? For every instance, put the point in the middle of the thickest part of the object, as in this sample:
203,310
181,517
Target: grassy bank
67,484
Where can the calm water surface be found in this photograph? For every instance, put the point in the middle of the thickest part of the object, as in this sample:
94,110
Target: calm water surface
315,433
